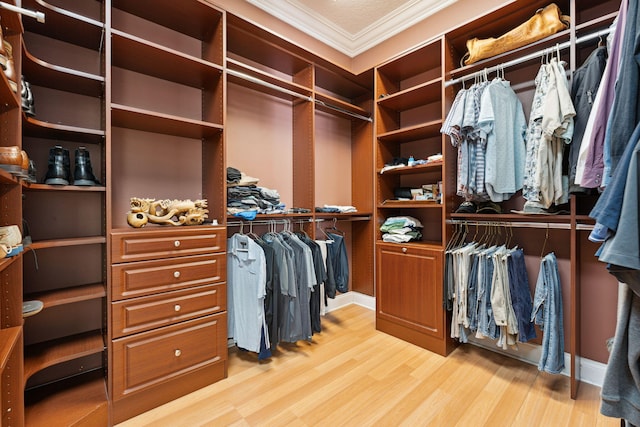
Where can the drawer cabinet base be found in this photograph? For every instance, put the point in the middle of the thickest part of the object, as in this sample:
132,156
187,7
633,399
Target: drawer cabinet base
160,394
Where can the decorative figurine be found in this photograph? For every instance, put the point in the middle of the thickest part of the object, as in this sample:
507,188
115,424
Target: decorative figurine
172,212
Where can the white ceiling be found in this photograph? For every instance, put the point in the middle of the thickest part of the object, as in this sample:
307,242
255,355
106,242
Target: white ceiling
351,26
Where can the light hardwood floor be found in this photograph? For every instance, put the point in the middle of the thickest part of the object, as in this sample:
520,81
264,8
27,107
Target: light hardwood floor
353,375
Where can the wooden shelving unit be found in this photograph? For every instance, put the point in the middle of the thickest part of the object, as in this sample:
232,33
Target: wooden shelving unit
587,17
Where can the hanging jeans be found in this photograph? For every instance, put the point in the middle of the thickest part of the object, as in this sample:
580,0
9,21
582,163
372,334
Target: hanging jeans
521,295
547,313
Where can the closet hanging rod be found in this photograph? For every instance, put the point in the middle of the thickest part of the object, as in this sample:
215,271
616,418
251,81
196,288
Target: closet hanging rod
342,110
267,84
39,16
512,224
526,58
275,221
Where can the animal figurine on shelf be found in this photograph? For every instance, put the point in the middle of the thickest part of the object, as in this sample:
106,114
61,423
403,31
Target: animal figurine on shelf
171,212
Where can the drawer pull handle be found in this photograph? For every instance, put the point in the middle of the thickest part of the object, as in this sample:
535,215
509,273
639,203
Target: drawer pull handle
404,250
176,243
176,274
177,353
177,307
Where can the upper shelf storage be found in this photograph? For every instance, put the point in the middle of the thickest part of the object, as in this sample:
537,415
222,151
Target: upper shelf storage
139,55
194,28
42,73
410,71
259,49
408,95
78,23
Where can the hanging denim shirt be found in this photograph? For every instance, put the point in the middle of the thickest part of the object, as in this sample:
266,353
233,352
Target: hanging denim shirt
547,313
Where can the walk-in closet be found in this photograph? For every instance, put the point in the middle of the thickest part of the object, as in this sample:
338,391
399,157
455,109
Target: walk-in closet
209,195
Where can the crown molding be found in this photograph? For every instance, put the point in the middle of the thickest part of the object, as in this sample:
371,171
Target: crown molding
351,44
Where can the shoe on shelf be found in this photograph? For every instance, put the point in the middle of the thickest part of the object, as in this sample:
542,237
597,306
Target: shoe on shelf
11,159
10,240
24,165
10,70
31,173
467,207
83,172
29,308
489,208
59,169
27,98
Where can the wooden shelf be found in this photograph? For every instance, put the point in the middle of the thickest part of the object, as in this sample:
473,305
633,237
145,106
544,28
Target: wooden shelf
8,97
425,93
513,217
6,178
64,25
142,56
49,353
77,401
40,129
60,243
149,121
269,79
413,63
406,170
9,337
412,133
334,105
69,295
350,216
346,84
401,204
601,21
81,188
416,243
247,41
41,73
194,18
6,262
547,42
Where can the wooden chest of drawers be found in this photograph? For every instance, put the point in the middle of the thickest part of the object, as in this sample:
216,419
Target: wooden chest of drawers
168,320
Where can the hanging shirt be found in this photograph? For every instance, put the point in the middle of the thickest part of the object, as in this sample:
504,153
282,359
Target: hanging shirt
452,127
246,281
557,131
531,187
503,125
584,87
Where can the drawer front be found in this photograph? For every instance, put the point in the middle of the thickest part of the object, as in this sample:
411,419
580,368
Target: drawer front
166,243
147,277
145,313
155,357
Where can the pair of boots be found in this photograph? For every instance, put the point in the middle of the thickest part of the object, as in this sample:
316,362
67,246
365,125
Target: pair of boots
59,167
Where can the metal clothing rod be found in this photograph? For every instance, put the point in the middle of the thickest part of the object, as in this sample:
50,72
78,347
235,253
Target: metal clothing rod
274,221
39,16
512,224
526,58
342,110
267,84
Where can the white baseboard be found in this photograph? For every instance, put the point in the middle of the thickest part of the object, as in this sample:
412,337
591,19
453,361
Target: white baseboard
590,371
342,300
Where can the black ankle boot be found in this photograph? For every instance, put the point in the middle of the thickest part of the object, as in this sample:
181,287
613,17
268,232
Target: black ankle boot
83,171
59,169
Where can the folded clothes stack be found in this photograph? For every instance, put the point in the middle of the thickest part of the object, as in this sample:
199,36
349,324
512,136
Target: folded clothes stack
401,229
244,195
336,209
